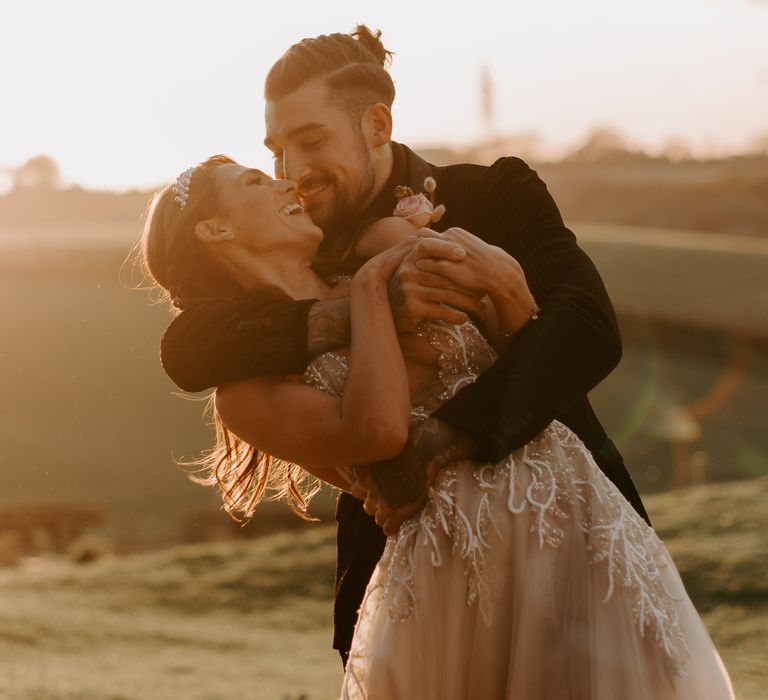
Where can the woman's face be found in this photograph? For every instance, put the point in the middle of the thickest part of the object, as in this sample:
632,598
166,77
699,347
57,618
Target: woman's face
262,213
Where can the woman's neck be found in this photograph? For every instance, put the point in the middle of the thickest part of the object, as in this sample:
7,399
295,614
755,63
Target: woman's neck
295,277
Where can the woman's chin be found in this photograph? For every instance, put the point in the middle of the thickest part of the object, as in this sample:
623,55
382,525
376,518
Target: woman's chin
313,229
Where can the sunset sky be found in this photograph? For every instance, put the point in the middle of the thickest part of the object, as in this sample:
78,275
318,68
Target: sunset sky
128,94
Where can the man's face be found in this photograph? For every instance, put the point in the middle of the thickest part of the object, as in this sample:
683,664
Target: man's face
316,144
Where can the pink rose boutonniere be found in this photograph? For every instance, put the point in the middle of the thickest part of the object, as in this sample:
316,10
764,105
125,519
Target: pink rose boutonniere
418,208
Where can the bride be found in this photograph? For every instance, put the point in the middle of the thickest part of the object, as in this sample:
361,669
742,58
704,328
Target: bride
530,578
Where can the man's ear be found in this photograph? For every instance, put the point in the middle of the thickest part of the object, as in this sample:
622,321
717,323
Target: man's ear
379,121
209,231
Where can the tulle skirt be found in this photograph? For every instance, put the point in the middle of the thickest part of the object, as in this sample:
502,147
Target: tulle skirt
530,579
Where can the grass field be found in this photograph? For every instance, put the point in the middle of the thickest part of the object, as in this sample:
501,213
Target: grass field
252,619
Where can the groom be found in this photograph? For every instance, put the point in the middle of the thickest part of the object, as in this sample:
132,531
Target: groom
329,126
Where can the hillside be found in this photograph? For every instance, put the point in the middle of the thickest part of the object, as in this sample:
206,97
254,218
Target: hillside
728,195
252,619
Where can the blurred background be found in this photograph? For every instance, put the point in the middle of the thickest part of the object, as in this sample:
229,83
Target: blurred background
649,124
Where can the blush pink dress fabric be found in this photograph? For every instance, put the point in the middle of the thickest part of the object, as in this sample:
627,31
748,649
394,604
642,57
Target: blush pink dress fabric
528,579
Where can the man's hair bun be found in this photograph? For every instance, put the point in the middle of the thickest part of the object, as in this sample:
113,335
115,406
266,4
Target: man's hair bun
352,65
372,41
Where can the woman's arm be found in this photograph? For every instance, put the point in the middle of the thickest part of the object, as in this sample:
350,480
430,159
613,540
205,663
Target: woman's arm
319,431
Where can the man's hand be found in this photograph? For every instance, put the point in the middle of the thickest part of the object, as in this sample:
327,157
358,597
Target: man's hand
395,489
388,518
416,296
483,270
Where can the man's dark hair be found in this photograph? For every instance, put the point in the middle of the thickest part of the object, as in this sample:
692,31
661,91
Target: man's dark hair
351,65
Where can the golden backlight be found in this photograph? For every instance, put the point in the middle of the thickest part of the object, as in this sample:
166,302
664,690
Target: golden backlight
646,119
128,94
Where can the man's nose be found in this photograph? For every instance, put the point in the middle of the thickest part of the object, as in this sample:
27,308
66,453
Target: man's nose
294,169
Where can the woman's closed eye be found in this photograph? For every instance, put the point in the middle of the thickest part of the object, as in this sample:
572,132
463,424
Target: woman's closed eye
256,177
316,143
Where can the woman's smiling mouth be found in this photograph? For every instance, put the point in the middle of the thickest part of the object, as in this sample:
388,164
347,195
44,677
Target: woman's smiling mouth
291,209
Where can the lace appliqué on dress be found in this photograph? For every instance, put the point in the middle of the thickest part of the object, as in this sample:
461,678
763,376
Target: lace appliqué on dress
327,372
463,355
617,538
558,471
553,480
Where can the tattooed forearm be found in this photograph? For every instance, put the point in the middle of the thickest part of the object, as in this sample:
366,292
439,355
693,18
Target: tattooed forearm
431,446
403,479
328,325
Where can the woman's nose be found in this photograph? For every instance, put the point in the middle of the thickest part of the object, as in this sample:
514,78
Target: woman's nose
286,186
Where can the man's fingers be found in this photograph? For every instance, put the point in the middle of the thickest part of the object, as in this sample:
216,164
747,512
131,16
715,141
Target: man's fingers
429,247
436,266
358,490
434,309
430,279
435,312
362,483
465,302
461,275
457,273
382,514
376,506
391,526
396,517
372,503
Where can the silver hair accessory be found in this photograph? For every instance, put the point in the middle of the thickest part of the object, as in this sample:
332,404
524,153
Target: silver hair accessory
181,187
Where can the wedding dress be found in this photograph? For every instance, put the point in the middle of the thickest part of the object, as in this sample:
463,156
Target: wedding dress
532,578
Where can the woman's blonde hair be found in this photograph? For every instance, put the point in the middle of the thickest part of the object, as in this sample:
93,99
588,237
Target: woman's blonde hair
176,263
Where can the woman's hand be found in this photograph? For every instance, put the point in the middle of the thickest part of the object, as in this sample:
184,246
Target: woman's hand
383,265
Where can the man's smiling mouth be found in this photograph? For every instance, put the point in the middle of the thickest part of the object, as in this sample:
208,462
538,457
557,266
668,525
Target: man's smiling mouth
305,194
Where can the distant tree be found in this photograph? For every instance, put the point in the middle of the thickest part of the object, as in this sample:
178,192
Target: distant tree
38,173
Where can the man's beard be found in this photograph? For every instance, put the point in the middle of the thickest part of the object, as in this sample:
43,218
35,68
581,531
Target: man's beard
348,209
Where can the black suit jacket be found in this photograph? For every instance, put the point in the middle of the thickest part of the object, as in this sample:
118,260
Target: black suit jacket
544,375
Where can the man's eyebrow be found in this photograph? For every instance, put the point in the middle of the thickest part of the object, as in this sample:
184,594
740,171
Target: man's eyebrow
293,133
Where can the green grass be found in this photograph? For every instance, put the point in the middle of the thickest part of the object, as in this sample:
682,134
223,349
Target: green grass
253,619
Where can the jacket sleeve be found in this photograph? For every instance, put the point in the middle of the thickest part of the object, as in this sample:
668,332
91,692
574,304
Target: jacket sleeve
227,339
556,359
